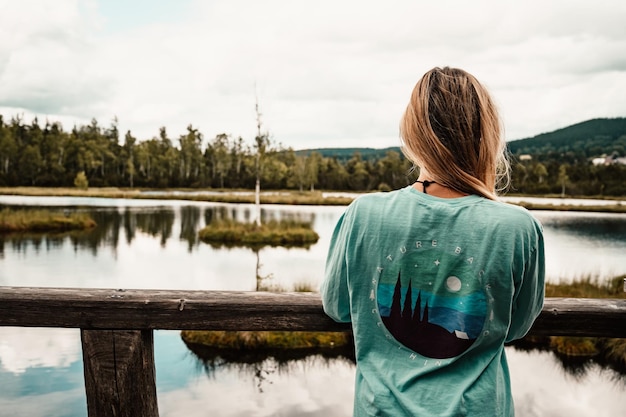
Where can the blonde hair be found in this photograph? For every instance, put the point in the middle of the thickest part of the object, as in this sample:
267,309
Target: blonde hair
452,129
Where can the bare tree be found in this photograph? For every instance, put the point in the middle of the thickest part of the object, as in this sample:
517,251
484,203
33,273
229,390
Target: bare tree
261,142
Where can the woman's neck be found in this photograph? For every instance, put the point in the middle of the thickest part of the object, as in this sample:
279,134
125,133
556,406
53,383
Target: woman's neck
430,186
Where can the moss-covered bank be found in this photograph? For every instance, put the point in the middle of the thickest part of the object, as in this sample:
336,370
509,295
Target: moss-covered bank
227,347
42,221
273,233
246,340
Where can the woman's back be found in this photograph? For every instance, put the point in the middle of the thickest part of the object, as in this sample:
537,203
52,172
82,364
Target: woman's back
431,287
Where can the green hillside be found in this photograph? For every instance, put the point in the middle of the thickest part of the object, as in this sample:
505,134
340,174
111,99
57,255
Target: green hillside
344,154
583,140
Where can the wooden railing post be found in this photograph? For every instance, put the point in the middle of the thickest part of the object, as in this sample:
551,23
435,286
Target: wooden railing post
119,373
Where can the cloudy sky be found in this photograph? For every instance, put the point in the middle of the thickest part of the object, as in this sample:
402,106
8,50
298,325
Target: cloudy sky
326,73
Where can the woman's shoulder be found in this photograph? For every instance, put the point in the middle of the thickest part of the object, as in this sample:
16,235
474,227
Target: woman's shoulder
374,203
378,198
512,214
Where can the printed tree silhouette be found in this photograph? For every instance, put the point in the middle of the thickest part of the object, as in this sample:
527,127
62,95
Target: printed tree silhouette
416,332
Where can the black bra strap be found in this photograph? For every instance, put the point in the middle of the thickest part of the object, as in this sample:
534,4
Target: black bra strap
426,183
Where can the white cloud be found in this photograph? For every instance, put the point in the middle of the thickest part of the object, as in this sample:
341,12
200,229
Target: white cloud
326,73
23,348
554,393
302,390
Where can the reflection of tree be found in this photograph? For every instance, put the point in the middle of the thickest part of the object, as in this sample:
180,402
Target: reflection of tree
106,234
189,220
576,365
156,223
260,284
260,364
129,226
606,227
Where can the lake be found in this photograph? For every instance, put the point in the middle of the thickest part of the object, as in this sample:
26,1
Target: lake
153,244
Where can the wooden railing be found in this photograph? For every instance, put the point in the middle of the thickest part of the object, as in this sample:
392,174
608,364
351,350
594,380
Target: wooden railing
117,339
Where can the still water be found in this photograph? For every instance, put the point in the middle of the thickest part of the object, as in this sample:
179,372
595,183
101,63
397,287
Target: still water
153,244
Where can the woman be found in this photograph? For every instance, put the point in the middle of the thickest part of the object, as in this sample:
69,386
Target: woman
438,276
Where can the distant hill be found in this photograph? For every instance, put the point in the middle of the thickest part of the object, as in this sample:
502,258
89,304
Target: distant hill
344,154
586,139
591,138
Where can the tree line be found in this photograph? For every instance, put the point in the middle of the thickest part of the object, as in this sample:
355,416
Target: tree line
553,176
47,155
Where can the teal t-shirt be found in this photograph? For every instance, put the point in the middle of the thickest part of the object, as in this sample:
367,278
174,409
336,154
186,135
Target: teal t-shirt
434,288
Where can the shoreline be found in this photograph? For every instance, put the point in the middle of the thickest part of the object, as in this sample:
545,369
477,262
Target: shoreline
290,197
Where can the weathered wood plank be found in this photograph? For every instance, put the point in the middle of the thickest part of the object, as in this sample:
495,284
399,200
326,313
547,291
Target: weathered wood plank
162,309
582,317
119,373
232,310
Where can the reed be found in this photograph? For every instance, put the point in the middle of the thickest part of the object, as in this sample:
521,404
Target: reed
21,220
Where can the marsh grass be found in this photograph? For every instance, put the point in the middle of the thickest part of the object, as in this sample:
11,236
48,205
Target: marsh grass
273,233
275,197
588,287
266,339
303,287
41,221
227,196
259,345
601,208
106,192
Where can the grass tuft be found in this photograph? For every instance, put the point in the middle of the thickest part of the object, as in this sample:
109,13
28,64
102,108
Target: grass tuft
20,220
303,287
272,233
588,287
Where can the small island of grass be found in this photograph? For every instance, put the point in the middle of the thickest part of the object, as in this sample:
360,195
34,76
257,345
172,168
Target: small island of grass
246,340
247,350
42,221
273,233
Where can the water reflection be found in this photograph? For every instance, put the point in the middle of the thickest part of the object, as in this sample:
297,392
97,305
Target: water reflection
583,245
21,349
578,364
589,226
542,388
156,222
309,390
258,365
150,244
